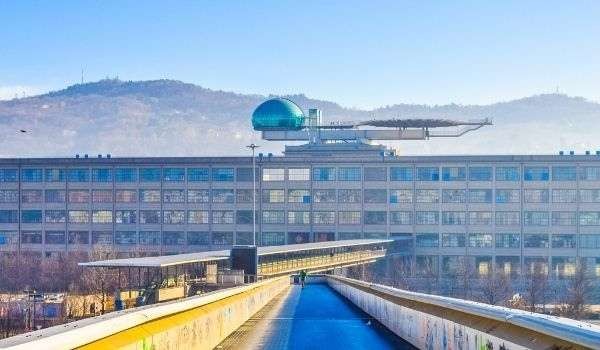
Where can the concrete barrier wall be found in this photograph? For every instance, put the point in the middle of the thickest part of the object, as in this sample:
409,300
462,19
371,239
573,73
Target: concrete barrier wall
199,322
435,322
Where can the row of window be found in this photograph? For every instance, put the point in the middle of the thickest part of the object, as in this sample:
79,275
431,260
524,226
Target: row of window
170,238
405,173
304,196
505,240
126,174
368,217
560,266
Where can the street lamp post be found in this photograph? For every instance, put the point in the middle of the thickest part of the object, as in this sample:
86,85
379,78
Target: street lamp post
253,147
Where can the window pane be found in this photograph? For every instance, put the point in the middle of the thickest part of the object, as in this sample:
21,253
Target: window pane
31,216
427,196
506,218
197,174
375,196
31,196
427,240
174,196
102,175
150,196
590,173
480,218
535,196
324,174
126,237
149,217
480,240
536,173
8,175
507,174
375,217
199,196
401,174
174,174
401,196
298,217
126,175
589,195
480,196
79,196
9,196
222,174
9,216
173,238
78,175
223,196
349,196
273,196
480,173
102,216
125,217
174,217
150,174
244,175
31,175
273,174
454,196
197,217
428,174
297,196
273,238
564,218
564,196
102,196
535,241
55,216
400,218
376,174
79,216
508,240
349,174
349,218
453,240
508,196
273,217
564,173
244,217
324,196
324,217
454,218
299,174
126,196
535,218
198,238
454,173
55,175
222,216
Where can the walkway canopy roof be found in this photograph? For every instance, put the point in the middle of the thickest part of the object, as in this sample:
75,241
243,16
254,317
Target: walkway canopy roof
217,255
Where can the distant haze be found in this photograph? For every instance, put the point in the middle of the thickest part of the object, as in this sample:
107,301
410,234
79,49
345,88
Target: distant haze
171,118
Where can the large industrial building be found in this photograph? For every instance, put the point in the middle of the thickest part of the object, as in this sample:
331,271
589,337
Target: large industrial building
509,211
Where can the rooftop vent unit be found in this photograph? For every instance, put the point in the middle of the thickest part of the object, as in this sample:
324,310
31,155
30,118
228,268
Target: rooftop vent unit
598,153
587,153
108,155
99,156
561,153
572,153
77,156
85,156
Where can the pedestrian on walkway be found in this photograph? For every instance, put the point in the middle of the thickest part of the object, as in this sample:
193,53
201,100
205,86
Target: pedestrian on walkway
302,277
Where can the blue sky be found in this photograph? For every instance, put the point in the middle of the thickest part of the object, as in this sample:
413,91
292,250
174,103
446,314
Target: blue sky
357,53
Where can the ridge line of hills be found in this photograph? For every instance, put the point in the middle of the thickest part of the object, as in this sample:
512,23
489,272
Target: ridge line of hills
169,117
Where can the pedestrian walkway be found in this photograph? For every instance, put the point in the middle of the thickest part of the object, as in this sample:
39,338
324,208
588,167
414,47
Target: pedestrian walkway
309,318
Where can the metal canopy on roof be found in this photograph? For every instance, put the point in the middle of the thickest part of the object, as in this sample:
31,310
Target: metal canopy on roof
421,123
216,255
161,261
291,248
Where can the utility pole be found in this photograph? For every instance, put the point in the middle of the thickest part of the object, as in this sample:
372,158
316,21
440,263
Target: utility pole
253,147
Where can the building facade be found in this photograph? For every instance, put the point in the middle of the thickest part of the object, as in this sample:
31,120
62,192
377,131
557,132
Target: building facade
505,211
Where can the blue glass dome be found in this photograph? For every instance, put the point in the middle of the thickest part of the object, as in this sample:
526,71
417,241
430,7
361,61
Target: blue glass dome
278,114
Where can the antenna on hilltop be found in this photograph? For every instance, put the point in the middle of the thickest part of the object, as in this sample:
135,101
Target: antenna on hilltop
81,76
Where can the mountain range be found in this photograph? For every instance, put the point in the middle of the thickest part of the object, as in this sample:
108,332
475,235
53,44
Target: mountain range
173,118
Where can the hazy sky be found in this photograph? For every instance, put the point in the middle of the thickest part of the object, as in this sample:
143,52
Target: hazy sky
358,53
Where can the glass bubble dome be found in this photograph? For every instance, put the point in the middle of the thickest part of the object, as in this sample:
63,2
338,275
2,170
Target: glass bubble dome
278,114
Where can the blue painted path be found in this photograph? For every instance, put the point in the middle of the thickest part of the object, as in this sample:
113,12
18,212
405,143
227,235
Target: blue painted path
316,317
